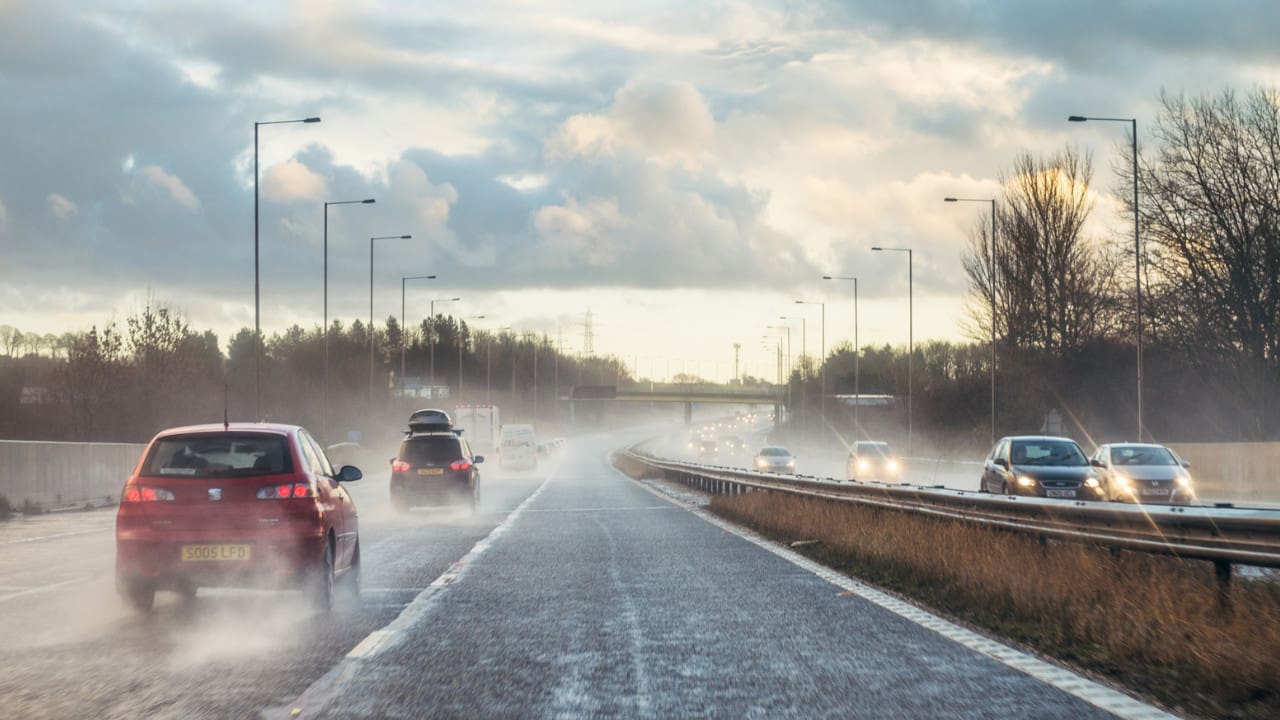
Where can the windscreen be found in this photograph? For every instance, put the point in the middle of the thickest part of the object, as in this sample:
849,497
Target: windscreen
219,455
1047,452
425,450
1123,455
881,449
775,452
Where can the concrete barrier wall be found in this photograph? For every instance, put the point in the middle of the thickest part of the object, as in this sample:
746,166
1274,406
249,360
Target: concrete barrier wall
1238,472
58,473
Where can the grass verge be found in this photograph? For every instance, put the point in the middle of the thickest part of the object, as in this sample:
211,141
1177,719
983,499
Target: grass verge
1150,623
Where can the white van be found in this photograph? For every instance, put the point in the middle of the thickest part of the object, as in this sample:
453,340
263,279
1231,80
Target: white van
519,448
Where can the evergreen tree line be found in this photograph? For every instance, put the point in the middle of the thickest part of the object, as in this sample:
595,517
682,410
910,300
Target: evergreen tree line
126,383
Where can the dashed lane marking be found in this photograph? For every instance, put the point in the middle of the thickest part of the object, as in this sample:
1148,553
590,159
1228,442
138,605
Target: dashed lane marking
323,691
1097,694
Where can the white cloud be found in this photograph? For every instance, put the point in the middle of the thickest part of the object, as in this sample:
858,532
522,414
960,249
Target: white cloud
172,184
590,233
669,123
61,207
291,181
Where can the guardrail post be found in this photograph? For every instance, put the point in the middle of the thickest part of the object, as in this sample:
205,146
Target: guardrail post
1222,571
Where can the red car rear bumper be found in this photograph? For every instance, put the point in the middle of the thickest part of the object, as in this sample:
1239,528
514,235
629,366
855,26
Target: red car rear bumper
275,557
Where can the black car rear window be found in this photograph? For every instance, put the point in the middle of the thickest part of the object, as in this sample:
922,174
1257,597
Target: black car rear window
219,455
430,449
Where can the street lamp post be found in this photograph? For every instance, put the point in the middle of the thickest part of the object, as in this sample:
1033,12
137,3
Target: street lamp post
257,287
403,329
371,370
488,382
460,343
822,370
857,354
804,351
993,306
911,348
324,391
432,330
1137,248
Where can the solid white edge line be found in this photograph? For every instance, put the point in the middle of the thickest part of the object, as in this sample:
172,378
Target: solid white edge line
1061,678
317,697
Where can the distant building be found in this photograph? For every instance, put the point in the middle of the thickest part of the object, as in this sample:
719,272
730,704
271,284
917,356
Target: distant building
417,387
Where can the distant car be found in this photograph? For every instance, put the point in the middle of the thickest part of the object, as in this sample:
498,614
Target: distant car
1053,467
708,449
775,459
1138,472
872,461
239,505
434,468
735,443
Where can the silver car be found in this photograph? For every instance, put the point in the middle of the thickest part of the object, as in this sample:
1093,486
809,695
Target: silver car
775,459
1143,473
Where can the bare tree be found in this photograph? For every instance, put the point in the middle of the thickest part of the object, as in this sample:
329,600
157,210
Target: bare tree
1212,224
1053,289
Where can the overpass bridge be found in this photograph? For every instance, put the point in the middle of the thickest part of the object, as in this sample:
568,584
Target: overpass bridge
689,394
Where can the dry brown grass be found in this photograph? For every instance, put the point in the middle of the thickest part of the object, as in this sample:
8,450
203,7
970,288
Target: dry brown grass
1150,623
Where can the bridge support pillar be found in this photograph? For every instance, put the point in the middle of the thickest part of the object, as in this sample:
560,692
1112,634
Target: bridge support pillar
688,413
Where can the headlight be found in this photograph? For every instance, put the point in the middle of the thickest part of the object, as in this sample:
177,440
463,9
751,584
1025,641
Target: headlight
1025,481
1184,481
1091,482
891,466
1124,483
863,465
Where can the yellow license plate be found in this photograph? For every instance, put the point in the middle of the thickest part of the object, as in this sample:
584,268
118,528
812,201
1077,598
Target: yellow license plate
430,471
215,553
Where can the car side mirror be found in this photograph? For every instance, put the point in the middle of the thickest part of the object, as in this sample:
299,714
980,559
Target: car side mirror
349,473
1002,463
477,459
1186,464
1097,463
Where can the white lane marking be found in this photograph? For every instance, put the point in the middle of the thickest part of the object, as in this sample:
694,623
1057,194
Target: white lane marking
322,692
601,509
1113,701
41,589
42,538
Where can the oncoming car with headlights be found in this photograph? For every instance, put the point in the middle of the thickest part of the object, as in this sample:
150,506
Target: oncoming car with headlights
1143,473
1053,467
775,459
872,461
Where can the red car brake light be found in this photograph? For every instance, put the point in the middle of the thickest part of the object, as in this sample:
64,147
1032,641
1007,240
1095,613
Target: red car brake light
400,466
286,491
142,493
459,465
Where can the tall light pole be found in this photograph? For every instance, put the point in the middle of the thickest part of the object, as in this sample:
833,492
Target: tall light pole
787,328
911,347
1137,247
460,343
403,329
488,383
857,354
993,306
324,391
371,372
257,287
822,370
433,340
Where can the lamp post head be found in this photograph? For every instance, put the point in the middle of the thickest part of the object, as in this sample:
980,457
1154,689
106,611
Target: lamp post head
877,249
405,237
368,201
1077,118
311,120
949,199
826,277
431,277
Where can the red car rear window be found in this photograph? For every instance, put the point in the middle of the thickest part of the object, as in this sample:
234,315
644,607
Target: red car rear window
220,455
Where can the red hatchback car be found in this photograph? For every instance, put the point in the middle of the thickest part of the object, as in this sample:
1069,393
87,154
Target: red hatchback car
238,505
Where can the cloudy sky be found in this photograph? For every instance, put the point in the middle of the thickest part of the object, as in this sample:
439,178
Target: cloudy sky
686,170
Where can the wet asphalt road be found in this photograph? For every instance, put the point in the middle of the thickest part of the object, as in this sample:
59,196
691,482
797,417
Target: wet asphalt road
597,599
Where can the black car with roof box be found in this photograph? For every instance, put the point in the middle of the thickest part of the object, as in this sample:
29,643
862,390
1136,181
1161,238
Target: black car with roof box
434,465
